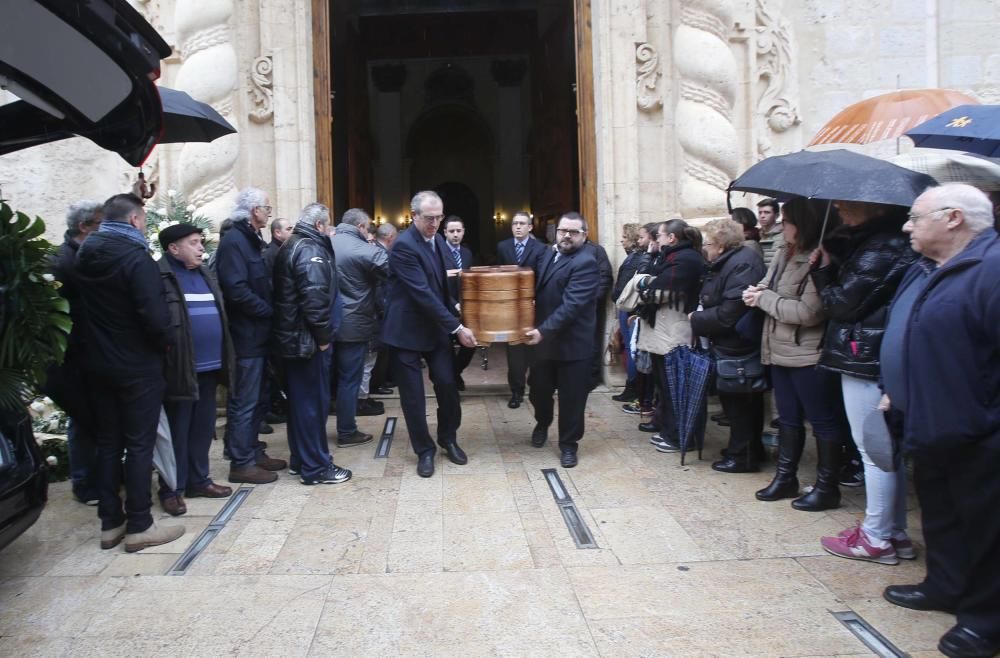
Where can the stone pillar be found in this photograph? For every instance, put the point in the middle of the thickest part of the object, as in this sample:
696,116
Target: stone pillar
208,72
391,200
510,174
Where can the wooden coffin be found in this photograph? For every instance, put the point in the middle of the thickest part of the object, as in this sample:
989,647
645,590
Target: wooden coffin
498,302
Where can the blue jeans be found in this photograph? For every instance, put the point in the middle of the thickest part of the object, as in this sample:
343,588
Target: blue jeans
244,411
308,407
350,369
82,458
810,393
626,330
192,425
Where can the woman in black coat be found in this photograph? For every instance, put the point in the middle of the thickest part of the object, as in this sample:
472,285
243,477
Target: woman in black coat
732,267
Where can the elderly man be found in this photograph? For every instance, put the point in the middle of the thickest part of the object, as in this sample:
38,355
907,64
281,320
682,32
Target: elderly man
245,280
420,318
200,357
361,267
65,383
941,369
127,333
305,294
564,338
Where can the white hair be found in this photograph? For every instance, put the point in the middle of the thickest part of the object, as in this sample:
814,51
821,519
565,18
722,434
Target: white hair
973,203
82,212
314,213
420,197
248,199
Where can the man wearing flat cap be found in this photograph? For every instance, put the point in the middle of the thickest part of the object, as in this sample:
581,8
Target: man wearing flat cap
200,357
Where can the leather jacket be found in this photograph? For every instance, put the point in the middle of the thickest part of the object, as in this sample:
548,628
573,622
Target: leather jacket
305,293
867,265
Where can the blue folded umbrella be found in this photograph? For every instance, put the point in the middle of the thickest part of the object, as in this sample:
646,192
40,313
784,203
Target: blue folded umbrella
971,128
687,373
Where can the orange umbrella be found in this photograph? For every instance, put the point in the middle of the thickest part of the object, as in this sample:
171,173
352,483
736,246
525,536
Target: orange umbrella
888,115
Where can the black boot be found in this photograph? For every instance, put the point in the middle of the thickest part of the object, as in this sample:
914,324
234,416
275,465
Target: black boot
785,484
627,395
826,494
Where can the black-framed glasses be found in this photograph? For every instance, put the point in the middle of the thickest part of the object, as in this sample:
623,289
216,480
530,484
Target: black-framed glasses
914,218
570,231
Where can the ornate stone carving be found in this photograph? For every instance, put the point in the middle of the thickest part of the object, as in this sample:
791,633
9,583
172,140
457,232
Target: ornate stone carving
776,105
261,92
645,82
209,71
707,72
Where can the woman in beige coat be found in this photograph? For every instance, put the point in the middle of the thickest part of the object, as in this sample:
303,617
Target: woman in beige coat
790,344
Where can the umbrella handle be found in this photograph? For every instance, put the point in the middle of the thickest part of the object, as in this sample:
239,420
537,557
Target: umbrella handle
729,200
826,218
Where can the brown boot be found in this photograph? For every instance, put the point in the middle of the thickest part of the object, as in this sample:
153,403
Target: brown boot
251,474
270,464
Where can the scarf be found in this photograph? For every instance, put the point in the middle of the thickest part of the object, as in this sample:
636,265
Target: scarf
125,230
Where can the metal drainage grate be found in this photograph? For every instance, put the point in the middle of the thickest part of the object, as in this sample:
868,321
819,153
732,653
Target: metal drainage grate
870,637
211,532
385,442
571,515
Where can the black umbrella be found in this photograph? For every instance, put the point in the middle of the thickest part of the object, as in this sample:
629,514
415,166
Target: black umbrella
188,120
834,175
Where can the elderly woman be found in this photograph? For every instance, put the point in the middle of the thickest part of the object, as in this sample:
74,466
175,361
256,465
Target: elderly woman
862,263
628,268
790,344
669,292
732,268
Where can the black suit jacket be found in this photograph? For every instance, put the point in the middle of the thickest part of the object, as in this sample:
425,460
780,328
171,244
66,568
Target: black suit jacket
533,252
565,307
467,261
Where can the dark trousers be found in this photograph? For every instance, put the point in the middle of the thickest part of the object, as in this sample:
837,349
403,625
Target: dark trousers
518,359
463,357
663,413
192,426
350,359
128,411
410,380
245,409
572,380
959,494
308,408
812,394
746,424
380,373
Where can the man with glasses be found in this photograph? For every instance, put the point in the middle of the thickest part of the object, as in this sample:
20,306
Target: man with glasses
245,280
525,251
420,319
563,338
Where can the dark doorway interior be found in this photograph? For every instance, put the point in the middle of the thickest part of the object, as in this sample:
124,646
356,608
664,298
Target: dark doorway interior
474,99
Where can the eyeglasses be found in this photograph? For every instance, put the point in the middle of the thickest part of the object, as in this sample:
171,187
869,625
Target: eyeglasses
708,244
266,209
432,218
570,231
914,218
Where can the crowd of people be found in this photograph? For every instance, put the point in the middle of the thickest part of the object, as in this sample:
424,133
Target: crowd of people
876,326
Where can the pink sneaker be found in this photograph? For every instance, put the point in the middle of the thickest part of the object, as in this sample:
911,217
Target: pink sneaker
855,546
905,550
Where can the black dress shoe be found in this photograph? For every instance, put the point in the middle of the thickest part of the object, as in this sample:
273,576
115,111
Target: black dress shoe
568,458
455,454
962,642
914,598
515,400
733,465
539,436
383,390
425,464
649,427
459,382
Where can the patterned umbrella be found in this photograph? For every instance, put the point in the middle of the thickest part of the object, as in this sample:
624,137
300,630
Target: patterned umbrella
972,128
688,373
953,167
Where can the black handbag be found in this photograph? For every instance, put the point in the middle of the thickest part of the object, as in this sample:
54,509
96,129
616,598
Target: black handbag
740,374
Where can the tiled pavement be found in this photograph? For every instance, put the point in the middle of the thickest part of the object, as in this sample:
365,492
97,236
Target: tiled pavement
474,561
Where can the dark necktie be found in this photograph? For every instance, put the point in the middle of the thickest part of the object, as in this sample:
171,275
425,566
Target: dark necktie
457,253
519,252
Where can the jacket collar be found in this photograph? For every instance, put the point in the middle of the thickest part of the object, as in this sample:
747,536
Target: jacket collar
311,232
726,255
974,252
244,227
350,230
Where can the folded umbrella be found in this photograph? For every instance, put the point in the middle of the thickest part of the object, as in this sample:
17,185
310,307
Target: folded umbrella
687,373
972,128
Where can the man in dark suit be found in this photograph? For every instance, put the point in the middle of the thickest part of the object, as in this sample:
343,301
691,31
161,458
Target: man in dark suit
460,259
420,318
564,336
526,251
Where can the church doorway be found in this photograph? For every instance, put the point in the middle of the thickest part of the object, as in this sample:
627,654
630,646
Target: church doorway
490,102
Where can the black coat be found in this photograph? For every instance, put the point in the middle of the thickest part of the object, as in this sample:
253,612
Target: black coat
245,280
271,253
722,301
533,250
127,326
627,270
179,365
305,293
565,306
868,263
605,273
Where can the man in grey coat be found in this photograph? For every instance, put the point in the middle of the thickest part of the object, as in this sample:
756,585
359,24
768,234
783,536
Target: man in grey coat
361,266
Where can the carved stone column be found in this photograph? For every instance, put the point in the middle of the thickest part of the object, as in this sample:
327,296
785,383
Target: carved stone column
209,72
707,74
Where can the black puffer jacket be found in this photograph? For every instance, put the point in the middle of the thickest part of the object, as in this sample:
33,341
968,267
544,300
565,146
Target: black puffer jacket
626,271
867,264
305,292
722,301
